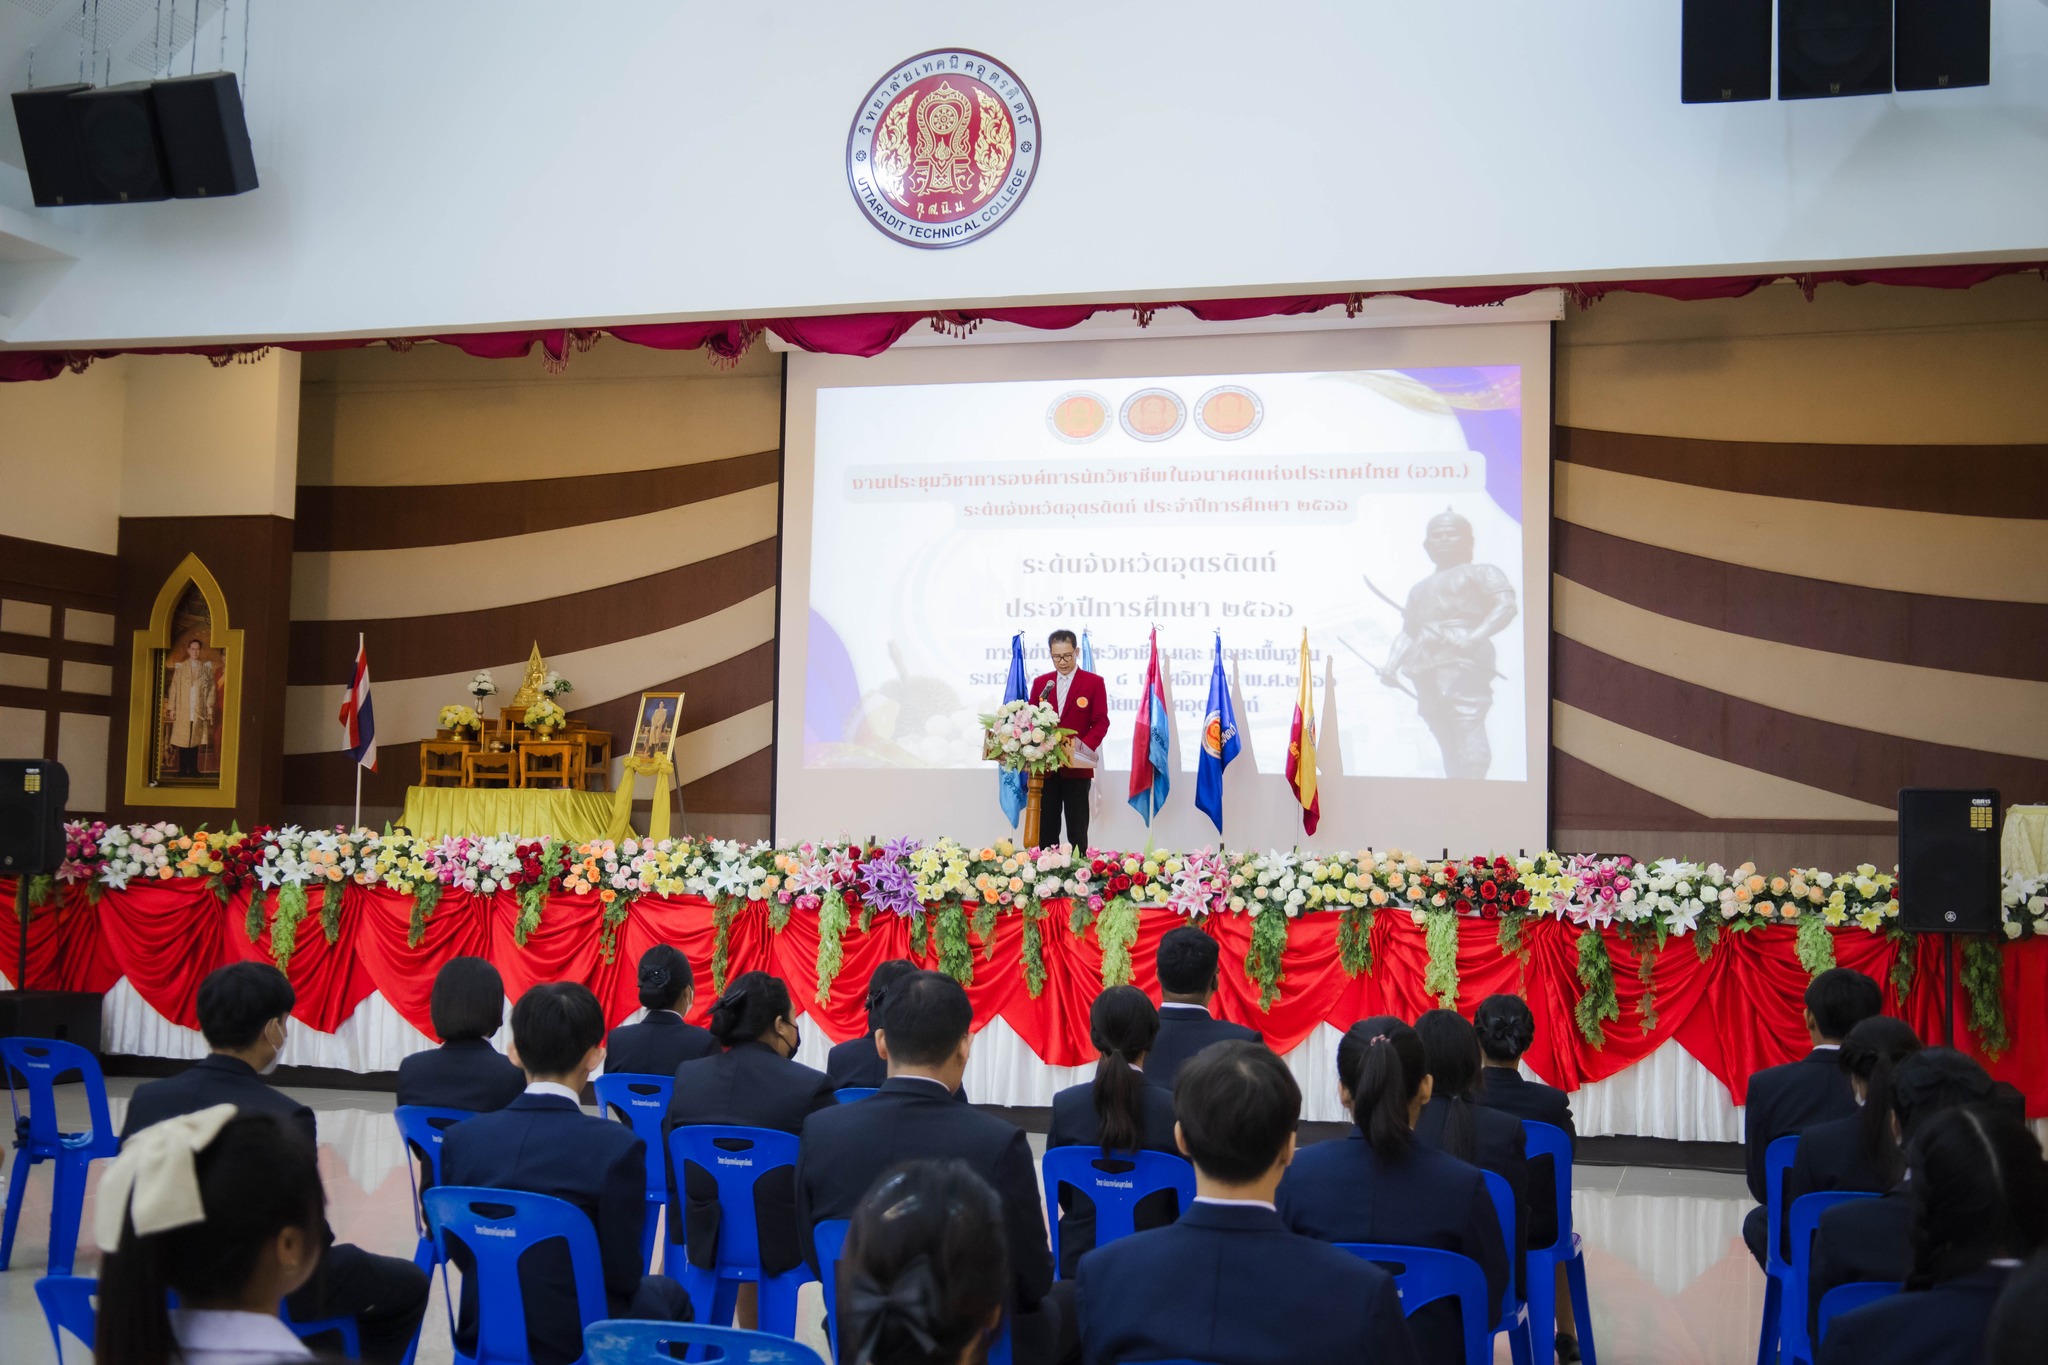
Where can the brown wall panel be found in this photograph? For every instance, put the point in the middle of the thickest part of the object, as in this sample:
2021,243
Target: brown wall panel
68,576
740,788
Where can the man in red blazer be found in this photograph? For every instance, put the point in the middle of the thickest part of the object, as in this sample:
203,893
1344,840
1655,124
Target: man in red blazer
1083,704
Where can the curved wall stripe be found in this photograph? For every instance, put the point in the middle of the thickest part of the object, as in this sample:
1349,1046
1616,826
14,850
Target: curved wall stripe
423,646
1965,710
739,789
1712,786
367,518
505,572
1836,758
1989,558
1587,798
408,708
2003,639
1967,480
705,750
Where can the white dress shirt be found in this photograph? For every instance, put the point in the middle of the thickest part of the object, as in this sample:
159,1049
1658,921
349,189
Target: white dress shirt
1236,1203
554,1088
209,1337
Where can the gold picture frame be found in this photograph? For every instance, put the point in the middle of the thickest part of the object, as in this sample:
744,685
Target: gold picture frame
656,723
149,677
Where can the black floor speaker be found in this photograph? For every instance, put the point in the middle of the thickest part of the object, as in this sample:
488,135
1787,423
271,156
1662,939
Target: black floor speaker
67,1016
32,796
1834,47
1948,860
1941,44
1724,51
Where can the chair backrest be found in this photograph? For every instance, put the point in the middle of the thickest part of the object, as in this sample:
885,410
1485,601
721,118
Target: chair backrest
1846,1298
1805,1221
498,1227
1778,1159
40,1062
421,1126
67,1305
640,1102
847,1094
735,1158
1547,1139
1503,1196
620,1342
1115,1181
1423,1275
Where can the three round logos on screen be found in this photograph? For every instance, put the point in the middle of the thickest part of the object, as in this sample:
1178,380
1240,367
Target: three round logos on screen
1228,412
943,148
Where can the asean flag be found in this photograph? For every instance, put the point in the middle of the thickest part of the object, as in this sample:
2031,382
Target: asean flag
356,717
1150,743
1301,749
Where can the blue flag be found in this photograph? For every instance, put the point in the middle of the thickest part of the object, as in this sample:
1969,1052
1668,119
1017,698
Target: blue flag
1219,744
1009,785
1087,653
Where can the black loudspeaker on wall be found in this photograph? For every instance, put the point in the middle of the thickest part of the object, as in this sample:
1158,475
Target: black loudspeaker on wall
1942,44
1725,51
32,797
1948,860
1834,47
131,143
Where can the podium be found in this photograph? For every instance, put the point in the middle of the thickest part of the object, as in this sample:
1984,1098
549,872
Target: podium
1034,791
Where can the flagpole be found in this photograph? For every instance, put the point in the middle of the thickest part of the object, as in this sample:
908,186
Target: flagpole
357,823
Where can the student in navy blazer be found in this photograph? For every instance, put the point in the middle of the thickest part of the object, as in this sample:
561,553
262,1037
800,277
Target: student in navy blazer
1380,1185
543,1143
1228,1281
1117,1112
1454,1121
1785,1100
926,1036
661,1041
1857,1153
1980,1192
855,1063
1187,962
753,1084
465,1072
244,1011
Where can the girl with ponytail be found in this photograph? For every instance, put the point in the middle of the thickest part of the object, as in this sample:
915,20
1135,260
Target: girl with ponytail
1980,1207
1118,1111
1859,1152
662,1041
1455,1121
227,1212
1382,1185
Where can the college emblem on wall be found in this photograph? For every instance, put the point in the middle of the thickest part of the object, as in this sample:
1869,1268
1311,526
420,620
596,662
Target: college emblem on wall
943,148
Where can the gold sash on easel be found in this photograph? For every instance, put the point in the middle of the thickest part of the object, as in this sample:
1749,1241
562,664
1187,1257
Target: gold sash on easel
663,772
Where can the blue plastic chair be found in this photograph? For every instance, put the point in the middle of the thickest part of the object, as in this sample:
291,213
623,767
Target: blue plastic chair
641,1102
498,1227
1093,1172
736,1158
39,1062
829,1237
847,1094
1806,1212
1547,1139
344,1328
1514,1313
420,1126
1778,1159
619,1341
1424,1274
68,1307
1847,1298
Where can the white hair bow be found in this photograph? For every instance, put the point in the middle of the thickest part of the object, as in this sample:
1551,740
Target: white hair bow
156,1178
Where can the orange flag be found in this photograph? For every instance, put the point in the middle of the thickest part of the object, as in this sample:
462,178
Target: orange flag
1301,749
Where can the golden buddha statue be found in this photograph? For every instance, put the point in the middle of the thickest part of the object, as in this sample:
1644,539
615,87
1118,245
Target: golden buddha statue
530,686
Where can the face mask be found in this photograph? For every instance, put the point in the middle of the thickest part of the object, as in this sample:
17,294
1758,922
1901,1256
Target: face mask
277,1055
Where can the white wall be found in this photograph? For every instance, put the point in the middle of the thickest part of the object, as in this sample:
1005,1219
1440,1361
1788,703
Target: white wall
479,163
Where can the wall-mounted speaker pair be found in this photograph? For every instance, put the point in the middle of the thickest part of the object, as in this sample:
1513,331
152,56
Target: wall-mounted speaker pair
123,144
1832,47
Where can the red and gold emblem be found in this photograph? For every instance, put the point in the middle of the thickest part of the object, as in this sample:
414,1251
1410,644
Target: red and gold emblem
943,148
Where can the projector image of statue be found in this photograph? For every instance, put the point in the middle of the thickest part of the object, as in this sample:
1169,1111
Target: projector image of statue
1445,648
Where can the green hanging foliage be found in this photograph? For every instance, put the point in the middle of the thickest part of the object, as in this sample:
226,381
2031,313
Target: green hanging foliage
1646,966
330,911
867,918
1262,958
1511,939
832,924
1354,939
424,902
1597,1003
1706,935
252,917
1816,945
1117,931
1440,976
1902,966
292,908
778,914
920,934
723,912
1984,987
956,958
532,900
985,929
41,889
609,922
1081,917
1034,949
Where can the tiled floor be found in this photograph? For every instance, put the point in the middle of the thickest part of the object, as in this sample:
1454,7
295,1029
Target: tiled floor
1671,1283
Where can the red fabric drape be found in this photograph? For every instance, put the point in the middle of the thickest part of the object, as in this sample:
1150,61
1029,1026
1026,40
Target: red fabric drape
1736,1011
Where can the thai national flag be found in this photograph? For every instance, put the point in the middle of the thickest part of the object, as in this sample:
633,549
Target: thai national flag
1150,742
356,716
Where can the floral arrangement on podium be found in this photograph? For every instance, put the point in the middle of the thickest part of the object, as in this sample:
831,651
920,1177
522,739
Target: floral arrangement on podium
1025,737
459,718
953,893
545,717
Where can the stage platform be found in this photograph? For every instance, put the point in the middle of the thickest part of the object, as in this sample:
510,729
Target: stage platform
581,817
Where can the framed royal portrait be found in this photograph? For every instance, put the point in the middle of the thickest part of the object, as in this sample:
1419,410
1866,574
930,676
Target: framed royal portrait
185,696
655,724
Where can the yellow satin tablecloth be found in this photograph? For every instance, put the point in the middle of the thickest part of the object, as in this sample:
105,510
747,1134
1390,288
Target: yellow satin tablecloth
431,812
2023,848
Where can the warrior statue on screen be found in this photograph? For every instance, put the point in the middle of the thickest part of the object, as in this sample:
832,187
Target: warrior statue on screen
1445,648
